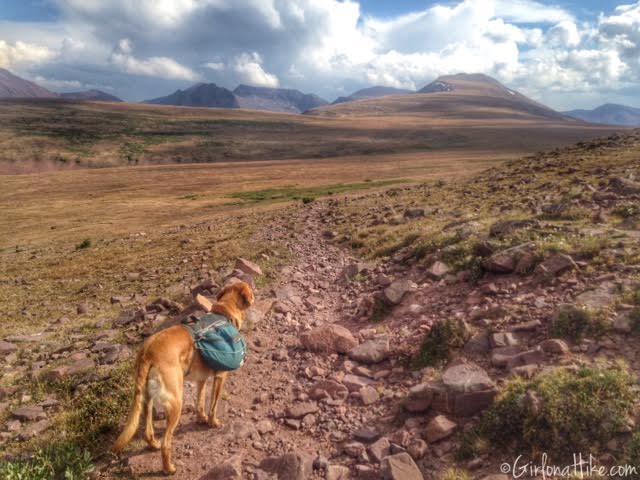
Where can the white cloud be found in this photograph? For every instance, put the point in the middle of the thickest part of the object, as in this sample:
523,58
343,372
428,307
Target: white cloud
329,47
528,11
248,67
22,54
217,66
163,67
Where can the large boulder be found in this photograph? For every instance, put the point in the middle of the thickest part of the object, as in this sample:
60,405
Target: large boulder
329,338
556,265
400,467
371,351
248,267
438,428
506,261
394,293
468,388
230,469
419,398
296,465
437,270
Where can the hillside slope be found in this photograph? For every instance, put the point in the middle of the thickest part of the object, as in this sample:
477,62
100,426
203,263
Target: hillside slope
452,97
91,96
371,92
12,86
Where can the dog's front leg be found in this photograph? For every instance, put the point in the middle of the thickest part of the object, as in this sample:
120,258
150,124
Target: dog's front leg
216,391
200,407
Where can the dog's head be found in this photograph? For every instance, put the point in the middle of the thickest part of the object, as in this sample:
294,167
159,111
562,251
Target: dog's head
236,297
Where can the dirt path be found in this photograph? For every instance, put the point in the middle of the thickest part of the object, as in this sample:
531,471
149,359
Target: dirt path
306,294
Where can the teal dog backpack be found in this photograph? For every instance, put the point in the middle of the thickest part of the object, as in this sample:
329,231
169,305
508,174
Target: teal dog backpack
219,342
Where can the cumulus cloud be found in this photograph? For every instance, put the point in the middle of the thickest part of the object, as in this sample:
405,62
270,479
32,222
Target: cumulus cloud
165,67
21,54
331,47
249,69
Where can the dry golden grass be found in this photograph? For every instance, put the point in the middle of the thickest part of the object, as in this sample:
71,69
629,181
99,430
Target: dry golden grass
72,205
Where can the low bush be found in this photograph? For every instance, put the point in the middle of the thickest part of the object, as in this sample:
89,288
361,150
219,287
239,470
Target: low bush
560,412
55,462
438,344
573,323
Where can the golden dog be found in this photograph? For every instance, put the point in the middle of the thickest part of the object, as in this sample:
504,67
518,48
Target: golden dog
161,365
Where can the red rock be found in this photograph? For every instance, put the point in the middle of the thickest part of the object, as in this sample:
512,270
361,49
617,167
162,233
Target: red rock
329,338
248,267
439,428
400,467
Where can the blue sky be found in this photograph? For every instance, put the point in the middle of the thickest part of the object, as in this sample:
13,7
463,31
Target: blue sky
567,54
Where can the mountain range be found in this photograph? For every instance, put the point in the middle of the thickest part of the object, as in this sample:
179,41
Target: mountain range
609,114
244,96
13,86
469,95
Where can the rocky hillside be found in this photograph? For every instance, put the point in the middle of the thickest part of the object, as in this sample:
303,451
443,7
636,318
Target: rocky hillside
91,95
422,331
610,114
371,92
12,86
199,95
276,99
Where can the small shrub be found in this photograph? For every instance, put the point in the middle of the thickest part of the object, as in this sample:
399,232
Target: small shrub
560,412
86,243
55,462
589,247
439,342
573,323
632,454
634,320
380,310
307,200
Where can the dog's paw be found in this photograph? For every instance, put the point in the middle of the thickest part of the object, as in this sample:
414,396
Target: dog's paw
170,470
215,423
203,419
154,444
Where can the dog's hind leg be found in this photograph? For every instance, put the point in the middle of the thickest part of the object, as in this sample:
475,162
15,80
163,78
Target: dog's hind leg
149,434
172,400
200,407
216,392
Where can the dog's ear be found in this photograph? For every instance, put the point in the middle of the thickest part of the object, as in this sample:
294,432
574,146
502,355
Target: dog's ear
246,294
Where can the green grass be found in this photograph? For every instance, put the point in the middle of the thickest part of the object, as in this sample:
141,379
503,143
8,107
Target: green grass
574,323
439,343
560,412
307,194
59,461
380,310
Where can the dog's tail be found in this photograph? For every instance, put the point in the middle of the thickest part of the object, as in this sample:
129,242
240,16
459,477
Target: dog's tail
142,372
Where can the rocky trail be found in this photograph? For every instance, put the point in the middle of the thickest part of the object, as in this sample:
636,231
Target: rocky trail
288,410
